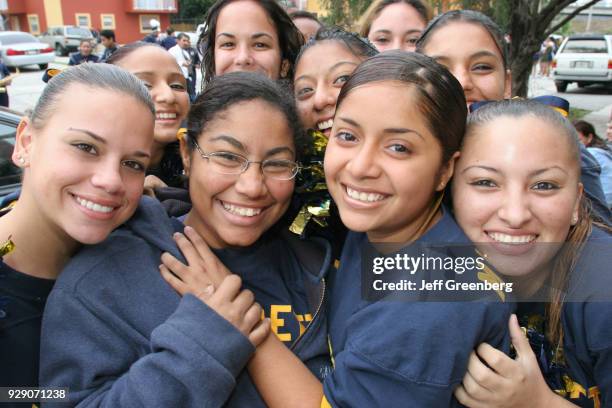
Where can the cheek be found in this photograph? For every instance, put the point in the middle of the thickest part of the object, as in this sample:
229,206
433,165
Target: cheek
333,161
222,61
282,192
305,112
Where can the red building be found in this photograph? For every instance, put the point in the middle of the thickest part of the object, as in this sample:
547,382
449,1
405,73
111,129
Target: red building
129,18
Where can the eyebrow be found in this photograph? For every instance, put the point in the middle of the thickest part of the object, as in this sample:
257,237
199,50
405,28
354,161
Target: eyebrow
333,67
138,153
236,143
256,35
532,174
392,130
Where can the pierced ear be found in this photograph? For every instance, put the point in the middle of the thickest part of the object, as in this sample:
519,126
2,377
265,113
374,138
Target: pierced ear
576,212
447,172
23,144
185,154
284,68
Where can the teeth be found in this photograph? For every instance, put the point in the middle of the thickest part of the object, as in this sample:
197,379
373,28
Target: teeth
242,211
361,196
511,239
93,206
326,124
165,115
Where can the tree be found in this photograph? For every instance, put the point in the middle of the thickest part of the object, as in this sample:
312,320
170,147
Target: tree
193,9
344,13
529,23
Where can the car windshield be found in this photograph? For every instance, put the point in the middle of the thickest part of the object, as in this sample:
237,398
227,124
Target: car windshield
586,46
79,32
9,39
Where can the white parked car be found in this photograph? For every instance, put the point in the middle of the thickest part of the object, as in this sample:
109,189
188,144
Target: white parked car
18,49
585,59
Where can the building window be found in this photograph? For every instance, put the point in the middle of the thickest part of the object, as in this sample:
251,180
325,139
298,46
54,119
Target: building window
167,5
14,23
34,24
83,20
108,21
145,22
3,5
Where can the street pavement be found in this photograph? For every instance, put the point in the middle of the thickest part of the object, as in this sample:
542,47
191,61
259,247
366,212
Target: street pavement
28,85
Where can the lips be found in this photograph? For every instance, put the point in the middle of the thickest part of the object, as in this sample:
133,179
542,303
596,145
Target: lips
511,239
242,211
96,206
364,196
325,124
165,116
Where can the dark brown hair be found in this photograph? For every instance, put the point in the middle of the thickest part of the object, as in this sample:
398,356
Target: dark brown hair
587,129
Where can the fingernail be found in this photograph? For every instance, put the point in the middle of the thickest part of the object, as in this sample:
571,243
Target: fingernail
177,235
188,228
209,289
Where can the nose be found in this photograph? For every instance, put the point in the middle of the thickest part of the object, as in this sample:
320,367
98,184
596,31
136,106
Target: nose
464,78
515,210
107,176
396,44
251,183
162,93
325,96
364,164
243,56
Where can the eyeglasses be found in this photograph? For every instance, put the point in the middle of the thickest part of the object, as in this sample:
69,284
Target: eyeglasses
232,163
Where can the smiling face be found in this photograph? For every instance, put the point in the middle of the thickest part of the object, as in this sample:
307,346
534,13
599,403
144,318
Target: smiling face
397,27
382,164
517,185
85,48
85,168
247,44
235,210
469,52
157,68
319,76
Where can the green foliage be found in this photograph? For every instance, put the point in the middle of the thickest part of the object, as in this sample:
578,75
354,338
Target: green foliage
194,9
344,13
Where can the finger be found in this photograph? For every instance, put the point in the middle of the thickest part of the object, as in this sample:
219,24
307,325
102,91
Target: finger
244,300
481,373
206,293
215,268
475,389
198,243
187,249
498,361
260,332
174,265
519,339
465,399
229,288
252,316
173,281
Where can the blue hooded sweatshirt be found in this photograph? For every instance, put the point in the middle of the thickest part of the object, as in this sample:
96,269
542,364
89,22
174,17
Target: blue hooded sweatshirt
118,335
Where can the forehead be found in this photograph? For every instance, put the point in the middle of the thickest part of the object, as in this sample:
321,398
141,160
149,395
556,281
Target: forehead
461,39
324,55
398,16
232,19
520,142
151,59
257,124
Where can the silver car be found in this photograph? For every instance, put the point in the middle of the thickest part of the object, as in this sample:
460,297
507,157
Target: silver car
18,49
585,59
65,39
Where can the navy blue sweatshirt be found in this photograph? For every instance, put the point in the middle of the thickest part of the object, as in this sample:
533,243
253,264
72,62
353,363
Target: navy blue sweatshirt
118,335
399,353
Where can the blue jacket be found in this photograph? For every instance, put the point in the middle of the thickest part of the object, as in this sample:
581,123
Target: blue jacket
401,352
590,172
77,58
132,341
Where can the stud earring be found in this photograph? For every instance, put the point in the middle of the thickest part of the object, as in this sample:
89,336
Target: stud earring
574,219
21,160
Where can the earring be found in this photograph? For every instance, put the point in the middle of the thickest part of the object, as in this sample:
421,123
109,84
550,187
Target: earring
574,219
21,160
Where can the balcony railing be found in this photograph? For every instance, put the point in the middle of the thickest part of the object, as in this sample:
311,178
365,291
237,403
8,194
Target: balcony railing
158,6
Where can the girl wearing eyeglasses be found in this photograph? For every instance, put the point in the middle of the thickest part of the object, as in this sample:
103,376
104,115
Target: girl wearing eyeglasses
131,338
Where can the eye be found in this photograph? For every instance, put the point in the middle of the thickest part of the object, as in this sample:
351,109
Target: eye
304,92
341,79
227,159
226,44
412,40
483,183
178,86
147,85
398,148
261,45
344,136
381,40
482,67
133,165
545,186
86,147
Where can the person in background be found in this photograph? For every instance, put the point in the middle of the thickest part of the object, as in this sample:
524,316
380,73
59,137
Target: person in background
395,24
169,40
107,38
306,22
153,36
185,61
5,80
83,55
600,150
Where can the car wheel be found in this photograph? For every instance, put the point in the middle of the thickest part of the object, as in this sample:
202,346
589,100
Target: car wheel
43,66
59,50
561,86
